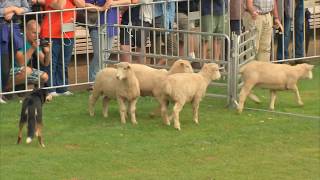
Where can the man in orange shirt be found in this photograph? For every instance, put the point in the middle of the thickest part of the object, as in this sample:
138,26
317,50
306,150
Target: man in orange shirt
61,34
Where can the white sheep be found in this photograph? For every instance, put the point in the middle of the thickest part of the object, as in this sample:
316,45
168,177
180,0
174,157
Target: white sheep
120,84
186,87
150,78
271,76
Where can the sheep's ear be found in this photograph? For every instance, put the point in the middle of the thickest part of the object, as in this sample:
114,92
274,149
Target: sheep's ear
128,67
182,64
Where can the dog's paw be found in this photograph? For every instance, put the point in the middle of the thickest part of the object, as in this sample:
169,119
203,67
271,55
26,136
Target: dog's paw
43,146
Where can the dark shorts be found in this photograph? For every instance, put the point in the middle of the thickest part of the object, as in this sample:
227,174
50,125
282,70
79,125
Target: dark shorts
235,26
135,34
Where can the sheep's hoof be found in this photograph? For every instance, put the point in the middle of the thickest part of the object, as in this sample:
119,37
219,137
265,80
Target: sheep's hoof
196,121
167,123
105,115
271,108
134,122
300,103
239,111
91,114
178,128
43,146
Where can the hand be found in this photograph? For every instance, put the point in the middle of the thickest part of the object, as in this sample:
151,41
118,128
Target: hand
46,49
8,16
18,11
108,4
34,1
278,24
254,15
35,44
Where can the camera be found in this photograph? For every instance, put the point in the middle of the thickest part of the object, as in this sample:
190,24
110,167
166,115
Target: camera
44,43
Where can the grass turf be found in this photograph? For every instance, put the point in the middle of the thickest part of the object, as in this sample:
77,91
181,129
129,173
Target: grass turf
225,145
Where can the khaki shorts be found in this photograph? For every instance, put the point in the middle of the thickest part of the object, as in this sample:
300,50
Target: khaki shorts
214,24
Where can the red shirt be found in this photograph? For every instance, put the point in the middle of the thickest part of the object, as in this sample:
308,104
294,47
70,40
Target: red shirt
55,22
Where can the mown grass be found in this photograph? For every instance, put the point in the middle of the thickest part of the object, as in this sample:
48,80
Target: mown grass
225,145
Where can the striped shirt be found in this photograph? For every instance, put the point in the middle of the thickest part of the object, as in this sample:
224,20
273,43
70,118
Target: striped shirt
263,6
18,3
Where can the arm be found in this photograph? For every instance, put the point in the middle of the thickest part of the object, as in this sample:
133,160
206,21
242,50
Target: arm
120,2
251,9
58,4
79,3
276,16
44,56
20,55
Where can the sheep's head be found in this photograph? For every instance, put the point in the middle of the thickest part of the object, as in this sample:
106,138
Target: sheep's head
181,66
212,69
122,70
307,70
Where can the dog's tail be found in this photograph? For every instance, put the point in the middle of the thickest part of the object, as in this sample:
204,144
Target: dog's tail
31,114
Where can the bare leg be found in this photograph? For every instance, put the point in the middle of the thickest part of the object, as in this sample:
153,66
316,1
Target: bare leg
176,111
272,99
133,111
105,103
122,110
125,57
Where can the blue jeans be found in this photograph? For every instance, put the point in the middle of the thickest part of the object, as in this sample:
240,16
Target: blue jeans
94,65
283,45
299,26
57,64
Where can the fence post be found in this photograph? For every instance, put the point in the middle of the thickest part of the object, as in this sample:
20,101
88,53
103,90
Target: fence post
233,71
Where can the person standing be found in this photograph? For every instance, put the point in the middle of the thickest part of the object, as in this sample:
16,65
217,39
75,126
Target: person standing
61,35
106,23
260,16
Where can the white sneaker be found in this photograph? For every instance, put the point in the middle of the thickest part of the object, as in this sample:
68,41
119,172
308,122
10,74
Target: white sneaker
54,94
2,101
67,93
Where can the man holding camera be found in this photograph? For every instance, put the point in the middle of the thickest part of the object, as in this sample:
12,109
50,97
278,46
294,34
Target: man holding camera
24,54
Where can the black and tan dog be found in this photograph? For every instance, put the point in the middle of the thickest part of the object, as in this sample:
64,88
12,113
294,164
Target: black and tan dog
31,113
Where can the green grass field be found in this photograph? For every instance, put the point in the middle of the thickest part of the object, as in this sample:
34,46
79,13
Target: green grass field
225,145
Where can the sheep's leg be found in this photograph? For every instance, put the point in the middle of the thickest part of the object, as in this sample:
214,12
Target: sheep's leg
245,91
195,108
92,101
105,103
122,109
176,111
273,96
164,108
296,90
133,111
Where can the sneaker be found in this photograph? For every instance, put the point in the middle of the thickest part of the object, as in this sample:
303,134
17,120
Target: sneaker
67,93
2,101
54,94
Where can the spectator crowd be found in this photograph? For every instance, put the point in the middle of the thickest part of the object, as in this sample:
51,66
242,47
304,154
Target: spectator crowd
37,48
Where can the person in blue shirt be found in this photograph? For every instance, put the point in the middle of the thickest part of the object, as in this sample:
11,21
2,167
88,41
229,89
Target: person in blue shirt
9,12
164,15
107,20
